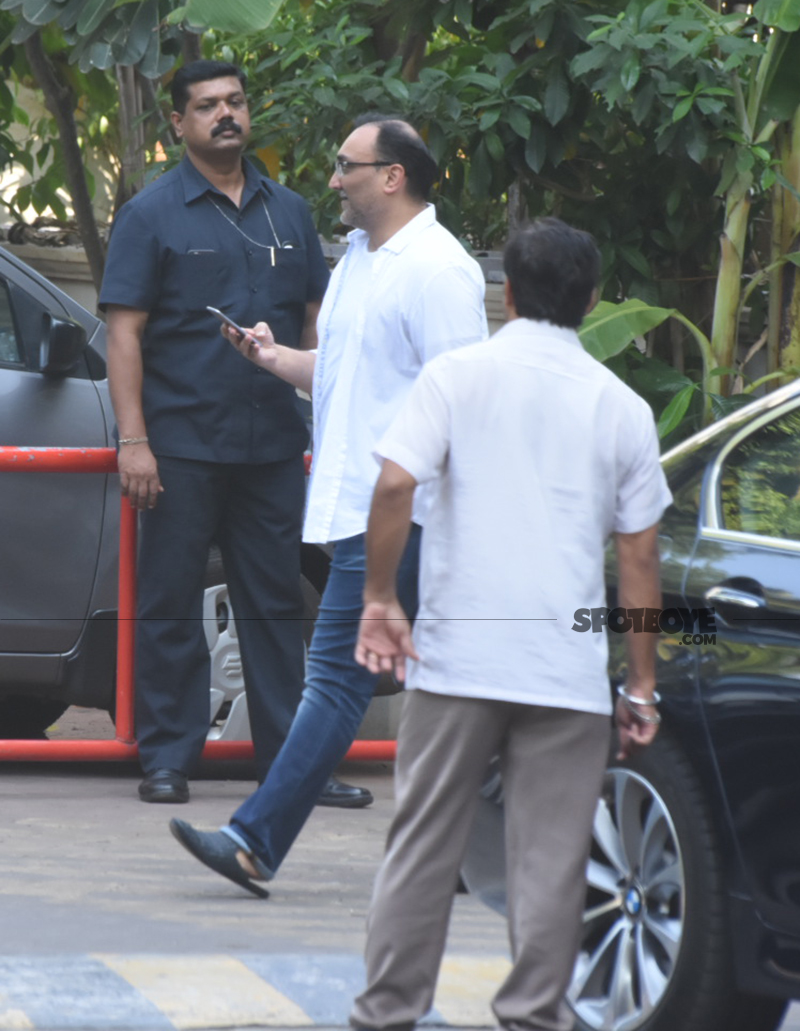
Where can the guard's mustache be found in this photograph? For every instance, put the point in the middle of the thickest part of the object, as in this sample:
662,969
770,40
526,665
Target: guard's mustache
224,126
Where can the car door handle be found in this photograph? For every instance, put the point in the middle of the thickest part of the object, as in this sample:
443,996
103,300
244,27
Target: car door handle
733,596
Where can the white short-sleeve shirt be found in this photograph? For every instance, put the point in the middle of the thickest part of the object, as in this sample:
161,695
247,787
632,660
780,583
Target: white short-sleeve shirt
384,315
535,454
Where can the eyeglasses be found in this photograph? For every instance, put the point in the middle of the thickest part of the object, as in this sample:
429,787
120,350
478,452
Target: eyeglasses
342,166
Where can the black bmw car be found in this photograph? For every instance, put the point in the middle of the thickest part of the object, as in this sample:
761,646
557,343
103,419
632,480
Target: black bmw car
692,918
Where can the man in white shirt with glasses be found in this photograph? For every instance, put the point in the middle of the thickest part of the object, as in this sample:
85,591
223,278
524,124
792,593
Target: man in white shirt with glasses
405,292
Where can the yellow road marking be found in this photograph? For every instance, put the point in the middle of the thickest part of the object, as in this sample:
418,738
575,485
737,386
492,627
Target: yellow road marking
207,991
466,986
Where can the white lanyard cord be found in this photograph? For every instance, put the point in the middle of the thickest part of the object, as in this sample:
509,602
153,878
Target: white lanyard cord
241,232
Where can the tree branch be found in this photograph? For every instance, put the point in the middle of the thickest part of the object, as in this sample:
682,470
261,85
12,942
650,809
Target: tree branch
61,105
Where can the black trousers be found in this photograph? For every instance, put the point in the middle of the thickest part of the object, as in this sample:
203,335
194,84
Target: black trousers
254,513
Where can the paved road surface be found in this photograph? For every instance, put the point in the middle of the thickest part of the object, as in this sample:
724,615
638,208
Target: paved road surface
105,923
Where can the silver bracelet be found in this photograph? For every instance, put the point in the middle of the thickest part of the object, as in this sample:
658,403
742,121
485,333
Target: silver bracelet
622,690
132,440
632,701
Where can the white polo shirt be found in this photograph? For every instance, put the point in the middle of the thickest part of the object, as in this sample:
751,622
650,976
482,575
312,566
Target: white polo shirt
536,453
385,314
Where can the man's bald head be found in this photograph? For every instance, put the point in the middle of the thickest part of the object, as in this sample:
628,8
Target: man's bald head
399,143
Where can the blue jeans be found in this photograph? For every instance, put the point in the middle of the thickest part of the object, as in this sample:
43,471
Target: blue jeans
334,701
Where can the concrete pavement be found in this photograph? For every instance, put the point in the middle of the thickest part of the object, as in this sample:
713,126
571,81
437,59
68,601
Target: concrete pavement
106,923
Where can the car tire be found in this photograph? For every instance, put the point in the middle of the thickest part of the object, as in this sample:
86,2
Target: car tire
24,719
229,718
655,952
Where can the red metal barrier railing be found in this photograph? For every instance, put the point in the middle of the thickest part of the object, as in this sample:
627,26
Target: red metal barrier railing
123,746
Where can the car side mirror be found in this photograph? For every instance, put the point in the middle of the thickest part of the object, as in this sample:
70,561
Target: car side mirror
62,344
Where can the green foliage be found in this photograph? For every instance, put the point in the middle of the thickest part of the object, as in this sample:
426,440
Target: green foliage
102,33
648,122
482,91
780,14
144,33
761,484
37,151
615,334
617,117
241,16
609,328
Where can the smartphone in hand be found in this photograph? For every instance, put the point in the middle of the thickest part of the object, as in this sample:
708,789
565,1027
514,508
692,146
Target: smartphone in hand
228,321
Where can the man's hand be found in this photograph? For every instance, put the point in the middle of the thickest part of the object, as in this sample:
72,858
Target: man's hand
633,732
138,475
384,639
258,344
287,363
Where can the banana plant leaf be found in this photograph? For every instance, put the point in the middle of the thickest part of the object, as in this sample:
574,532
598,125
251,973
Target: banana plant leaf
780,14
233,15
609,328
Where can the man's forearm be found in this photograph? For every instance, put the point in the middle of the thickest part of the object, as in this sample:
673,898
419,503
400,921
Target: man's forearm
308,337
639,588
294,366
138,467
388,530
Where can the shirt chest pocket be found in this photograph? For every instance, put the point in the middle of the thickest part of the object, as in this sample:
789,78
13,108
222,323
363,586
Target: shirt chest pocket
287,274
201,279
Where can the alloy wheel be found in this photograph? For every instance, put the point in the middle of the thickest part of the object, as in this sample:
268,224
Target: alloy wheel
633,920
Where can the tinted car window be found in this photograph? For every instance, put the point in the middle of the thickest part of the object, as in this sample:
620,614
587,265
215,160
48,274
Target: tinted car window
761,481
10,351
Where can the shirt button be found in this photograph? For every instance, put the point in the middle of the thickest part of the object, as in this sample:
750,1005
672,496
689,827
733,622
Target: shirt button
256,404
250,253
254,289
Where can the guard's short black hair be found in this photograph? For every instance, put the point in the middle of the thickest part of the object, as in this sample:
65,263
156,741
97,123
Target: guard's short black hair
200,71
552,269
400,144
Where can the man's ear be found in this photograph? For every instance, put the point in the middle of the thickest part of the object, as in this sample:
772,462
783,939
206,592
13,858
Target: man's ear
395,178
176,118
593,300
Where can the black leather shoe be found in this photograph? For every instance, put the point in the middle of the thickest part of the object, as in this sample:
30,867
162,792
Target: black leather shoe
345,796
164,786
218,852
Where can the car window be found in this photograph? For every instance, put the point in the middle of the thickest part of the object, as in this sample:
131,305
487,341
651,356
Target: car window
761,481
10,350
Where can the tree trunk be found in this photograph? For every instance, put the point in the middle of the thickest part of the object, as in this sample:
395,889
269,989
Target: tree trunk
131,131
60,103
413,57
141,125
783,331
517,208
190,47
725,327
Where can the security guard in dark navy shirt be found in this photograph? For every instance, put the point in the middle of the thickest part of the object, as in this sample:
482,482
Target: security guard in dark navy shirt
210,447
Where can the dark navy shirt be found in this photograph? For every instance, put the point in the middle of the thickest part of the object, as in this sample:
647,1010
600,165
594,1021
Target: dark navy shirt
172,251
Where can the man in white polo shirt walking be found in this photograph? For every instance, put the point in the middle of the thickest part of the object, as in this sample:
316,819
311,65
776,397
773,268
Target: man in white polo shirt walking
536,454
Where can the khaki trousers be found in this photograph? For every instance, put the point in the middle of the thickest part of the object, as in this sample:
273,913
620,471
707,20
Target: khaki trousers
552,762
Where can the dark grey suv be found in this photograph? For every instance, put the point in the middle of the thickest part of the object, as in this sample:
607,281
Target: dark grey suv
59,532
